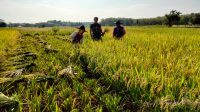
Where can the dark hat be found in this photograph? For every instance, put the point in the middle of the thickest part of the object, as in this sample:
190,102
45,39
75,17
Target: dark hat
118,22
82,27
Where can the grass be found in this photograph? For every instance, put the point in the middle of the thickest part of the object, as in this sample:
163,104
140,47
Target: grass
151,69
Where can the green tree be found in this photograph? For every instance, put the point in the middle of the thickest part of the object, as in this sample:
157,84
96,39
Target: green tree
195,18
173,18
185,19
2,23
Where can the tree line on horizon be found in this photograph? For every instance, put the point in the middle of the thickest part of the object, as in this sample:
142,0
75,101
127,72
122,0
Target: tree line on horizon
50,23
2,23
173,18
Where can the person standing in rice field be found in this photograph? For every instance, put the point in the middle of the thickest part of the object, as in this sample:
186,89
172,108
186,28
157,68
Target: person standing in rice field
77,36
119,31
96,30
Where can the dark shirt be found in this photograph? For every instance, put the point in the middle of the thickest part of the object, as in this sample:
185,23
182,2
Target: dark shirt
119,32
77,39
96,31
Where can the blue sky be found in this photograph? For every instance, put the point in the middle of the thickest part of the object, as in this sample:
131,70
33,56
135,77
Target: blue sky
84,10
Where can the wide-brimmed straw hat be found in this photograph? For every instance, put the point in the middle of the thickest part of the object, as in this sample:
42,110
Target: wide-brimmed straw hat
82,27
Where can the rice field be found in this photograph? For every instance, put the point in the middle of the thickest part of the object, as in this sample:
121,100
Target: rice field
8,40
151,69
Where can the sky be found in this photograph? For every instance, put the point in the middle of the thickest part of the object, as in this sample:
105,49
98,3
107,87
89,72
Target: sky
33,11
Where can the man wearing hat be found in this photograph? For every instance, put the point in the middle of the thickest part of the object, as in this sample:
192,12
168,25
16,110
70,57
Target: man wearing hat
77,36
96,30
119,30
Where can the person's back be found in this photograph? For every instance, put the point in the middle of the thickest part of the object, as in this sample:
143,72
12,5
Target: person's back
77,36
119,32
96,30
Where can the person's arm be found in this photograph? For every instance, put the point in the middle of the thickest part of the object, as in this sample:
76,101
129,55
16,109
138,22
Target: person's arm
101,29
102,33
73,35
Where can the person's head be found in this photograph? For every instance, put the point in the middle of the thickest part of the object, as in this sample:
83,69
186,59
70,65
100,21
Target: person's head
96,19
81,30
118,23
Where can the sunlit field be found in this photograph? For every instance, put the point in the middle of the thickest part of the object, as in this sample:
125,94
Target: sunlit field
150,69
8,39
